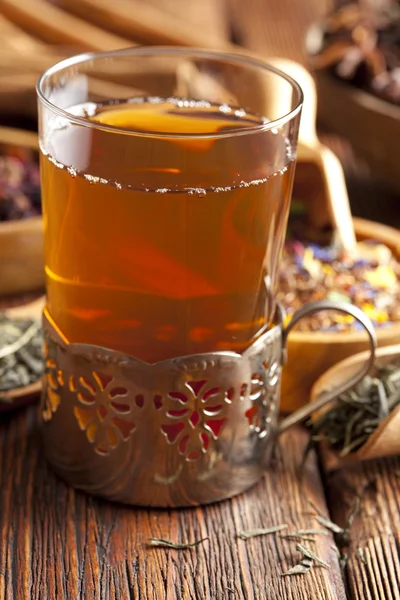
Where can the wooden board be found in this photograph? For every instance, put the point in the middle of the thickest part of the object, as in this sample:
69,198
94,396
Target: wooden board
373,568
58,544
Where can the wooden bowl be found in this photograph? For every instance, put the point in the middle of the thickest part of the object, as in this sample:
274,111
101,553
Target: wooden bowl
372,125
19,397
311,354
21,242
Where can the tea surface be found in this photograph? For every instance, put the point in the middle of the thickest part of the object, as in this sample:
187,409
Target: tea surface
161,246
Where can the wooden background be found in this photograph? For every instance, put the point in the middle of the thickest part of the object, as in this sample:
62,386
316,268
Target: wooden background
58,544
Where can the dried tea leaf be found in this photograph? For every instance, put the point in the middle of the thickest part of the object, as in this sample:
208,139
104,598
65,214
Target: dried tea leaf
21,353
307,553
358,413
304,534
162,543
336,549
329,524
354,511
302,537
322,520
303,567
246,535
24,339
310,532
344,538
362,556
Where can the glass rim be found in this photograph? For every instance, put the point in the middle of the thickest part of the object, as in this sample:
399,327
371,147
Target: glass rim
176,50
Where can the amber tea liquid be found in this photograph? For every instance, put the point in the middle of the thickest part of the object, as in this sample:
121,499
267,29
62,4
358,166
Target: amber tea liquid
161,246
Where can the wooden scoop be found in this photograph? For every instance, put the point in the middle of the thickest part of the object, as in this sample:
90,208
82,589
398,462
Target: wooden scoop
19,397
385,440
319,172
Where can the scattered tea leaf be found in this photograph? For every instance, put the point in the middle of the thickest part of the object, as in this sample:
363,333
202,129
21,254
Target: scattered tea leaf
303,567
246,535
354,511
342,534
162,543
362,556
343,564
336,549
302,537
304,534
311,532
307,553
344,538
329,524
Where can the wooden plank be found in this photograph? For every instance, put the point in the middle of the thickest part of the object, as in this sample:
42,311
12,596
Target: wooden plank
276,28
152,23
55,26
208,17
59,544
373,568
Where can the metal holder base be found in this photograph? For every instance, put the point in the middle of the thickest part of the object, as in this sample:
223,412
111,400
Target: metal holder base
186,431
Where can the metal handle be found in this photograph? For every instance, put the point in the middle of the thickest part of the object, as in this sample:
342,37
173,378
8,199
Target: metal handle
349,309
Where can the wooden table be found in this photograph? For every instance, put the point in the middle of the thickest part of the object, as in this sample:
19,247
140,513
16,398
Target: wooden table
58,544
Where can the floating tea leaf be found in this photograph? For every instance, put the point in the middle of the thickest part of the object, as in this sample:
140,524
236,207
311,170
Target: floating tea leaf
161,543
245,535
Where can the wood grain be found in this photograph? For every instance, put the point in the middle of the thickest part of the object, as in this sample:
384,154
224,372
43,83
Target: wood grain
376,529
56,26
146,23
276,28
209,18
59,544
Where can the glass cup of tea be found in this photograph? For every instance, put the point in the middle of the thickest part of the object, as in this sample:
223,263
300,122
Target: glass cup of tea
166,183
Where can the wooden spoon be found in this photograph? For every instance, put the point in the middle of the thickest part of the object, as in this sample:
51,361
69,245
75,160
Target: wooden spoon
324,182
19,397
385,440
